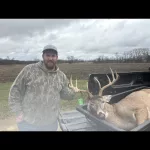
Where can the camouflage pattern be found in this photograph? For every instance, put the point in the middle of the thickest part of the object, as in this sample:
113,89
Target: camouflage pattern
36,92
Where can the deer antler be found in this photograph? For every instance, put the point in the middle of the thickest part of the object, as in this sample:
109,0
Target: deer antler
77,89
109,84
72,86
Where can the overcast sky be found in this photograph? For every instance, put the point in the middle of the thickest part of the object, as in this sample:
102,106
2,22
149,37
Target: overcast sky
24,39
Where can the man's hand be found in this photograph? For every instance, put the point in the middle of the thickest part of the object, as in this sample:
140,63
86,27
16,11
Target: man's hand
19,118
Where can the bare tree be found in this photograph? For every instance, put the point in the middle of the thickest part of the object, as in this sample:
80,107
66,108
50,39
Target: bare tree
71,59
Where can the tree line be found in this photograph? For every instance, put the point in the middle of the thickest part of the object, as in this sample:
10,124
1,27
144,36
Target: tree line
138,55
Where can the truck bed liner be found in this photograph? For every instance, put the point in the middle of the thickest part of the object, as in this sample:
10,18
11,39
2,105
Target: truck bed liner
75,121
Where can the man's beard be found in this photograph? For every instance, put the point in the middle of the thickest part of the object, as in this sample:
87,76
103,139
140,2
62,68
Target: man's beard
50,67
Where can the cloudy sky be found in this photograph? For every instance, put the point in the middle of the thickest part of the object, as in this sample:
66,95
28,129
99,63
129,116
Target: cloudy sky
24,39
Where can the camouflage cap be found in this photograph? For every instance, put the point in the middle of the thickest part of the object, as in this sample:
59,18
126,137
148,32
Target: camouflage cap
50,48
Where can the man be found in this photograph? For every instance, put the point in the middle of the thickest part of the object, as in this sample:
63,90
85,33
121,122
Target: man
36,92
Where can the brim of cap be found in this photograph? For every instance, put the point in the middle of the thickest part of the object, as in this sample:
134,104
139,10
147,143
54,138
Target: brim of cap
50,50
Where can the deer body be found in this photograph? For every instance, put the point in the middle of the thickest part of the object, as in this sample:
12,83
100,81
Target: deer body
130,111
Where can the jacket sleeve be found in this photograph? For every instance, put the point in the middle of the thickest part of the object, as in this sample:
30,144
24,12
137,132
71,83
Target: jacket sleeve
66,92
16,93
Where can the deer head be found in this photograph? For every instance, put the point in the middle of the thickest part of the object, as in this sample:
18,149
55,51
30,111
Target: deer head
95,103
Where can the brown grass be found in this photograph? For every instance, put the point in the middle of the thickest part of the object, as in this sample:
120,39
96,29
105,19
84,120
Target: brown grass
80,70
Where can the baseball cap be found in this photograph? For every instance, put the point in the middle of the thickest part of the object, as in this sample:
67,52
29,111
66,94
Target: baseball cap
50,48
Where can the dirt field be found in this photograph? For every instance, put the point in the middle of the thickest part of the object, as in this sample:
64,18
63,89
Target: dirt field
8,124
79,70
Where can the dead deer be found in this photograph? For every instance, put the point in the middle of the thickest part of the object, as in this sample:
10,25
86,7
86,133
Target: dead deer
126,114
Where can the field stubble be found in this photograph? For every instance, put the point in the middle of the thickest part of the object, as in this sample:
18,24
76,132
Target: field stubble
80,70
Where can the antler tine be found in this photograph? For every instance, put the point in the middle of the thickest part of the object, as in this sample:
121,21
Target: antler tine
76,83
114,79
117,76
71,84
110,82
112,74
108,78
99,84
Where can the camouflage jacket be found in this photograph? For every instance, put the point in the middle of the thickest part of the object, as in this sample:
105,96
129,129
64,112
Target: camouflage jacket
36,92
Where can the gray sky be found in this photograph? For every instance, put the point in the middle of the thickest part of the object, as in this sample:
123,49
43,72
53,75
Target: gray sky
24,39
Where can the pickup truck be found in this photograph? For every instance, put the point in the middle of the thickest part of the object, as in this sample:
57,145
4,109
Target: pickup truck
81,120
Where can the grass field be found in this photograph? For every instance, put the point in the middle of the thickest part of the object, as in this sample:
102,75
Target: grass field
81,70
4,91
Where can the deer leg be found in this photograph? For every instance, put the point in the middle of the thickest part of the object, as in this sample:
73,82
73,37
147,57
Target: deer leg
141,116
134,117
148,113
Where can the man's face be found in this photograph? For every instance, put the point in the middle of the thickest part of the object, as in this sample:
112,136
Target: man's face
50,59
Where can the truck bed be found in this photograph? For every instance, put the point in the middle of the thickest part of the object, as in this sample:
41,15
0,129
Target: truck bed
75,121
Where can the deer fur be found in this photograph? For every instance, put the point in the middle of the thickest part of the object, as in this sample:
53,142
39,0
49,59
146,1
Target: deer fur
128,113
